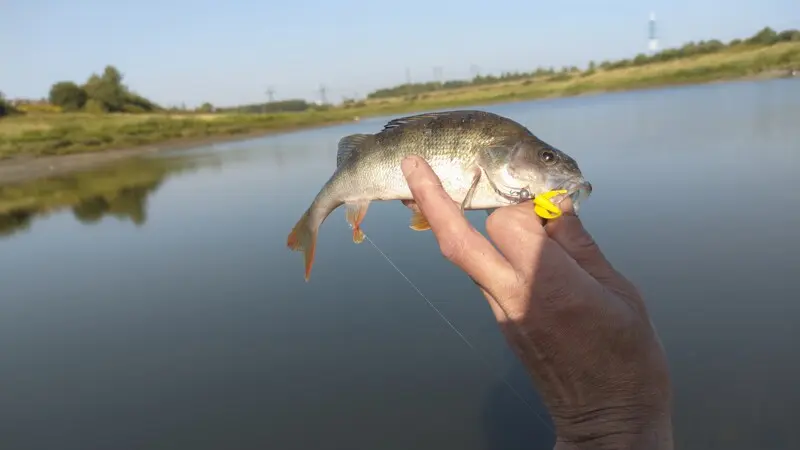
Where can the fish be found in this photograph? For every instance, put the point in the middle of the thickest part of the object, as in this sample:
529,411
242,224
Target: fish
484,161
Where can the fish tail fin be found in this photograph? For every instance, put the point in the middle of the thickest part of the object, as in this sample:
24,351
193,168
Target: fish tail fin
303,238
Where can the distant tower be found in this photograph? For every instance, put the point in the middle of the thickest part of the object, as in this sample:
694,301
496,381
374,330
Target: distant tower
652,44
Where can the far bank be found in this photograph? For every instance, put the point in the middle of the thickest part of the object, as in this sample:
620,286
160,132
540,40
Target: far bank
39,145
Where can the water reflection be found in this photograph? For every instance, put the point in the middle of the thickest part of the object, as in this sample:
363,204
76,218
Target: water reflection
119,190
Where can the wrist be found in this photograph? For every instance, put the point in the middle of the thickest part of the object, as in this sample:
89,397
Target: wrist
613,429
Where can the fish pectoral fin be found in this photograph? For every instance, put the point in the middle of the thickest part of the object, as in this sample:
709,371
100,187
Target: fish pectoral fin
419,222
355,213
472,188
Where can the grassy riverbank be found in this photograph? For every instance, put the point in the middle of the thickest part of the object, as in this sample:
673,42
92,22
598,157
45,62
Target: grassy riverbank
41,134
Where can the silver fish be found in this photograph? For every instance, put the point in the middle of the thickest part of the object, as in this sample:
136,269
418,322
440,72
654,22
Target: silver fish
485,161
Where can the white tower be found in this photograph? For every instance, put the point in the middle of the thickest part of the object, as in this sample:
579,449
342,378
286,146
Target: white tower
653,42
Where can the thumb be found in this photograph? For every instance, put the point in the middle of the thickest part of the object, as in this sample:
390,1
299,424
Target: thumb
569,233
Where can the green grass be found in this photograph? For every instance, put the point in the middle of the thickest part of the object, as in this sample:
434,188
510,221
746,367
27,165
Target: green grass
57,134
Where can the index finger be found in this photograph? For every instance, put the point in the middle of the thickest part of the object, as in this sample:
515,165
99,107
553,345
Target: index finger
458,240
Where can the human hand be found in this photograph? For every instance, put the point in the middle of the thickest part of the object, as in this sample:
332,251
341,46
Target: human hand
580,328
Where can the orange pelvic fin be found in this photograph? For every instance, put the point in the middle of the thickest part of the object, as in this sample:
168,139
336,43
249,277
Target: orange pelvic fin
355,213
418,221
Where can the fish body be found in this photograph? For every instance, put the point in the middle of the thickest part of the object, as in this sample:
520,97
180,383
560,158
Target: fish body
483,160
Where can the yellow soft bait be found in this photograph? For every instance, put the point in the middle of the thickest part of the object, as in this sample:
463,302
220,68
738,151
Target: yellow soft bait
544,208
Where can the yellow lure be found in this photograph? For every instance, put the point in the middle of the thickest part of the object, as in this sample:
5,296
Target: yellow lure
544,208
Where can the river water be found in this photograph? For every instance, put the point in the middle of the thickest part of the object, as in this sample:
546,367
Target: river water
154,305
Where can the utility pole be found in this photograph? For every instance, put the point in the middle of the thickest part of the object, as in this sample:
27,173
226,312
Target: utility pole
322,97
270,95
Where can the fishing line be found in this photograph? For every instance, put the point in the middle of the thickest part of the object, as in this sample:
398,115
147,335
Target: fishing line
460,334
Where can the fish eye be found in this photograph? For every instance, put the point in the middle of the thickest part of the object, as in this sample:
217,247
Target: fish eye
547,156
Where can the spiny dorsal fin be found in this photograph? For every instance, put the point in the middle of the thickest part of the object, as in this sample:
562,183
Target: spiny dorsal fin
462,114
348,145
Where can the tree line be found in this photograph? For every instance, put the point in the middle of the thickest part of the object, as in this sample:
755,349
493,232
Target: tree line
764,37
291,105
106,92
6,108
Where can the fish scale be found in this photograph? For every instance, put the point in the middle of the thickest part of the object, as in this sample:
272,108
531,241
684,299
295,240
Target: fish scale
484,161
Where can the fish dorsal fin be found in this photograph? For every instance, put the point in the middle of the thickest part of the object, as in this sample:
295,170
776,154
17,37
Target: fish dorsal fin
400,121
348,145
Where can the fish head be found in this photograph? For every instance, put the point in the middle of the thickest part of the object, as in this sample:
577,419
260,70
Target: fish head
535,167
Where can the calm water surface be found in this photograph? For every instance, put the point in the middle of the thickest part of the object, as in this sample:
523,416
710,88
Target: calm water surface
173,316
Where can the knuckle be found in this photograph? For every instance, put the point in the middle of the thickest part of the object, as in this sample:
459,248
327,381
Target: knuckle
495,220
452,247
416,179
426,191
418,190
576,240
552,286
520,218
571,228
584,241
512,226
503,218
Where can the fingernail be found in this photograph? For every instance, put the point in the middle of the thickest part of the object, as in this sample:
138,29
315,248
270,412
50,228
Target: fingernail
409,164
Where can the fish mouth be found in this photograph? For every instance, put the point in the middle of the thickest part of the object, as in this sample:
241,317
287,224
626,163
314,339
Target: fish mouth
578,190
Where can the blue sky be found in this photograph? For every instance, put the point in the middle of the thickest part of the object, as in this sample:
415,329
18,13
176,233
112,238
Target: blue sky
230,52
